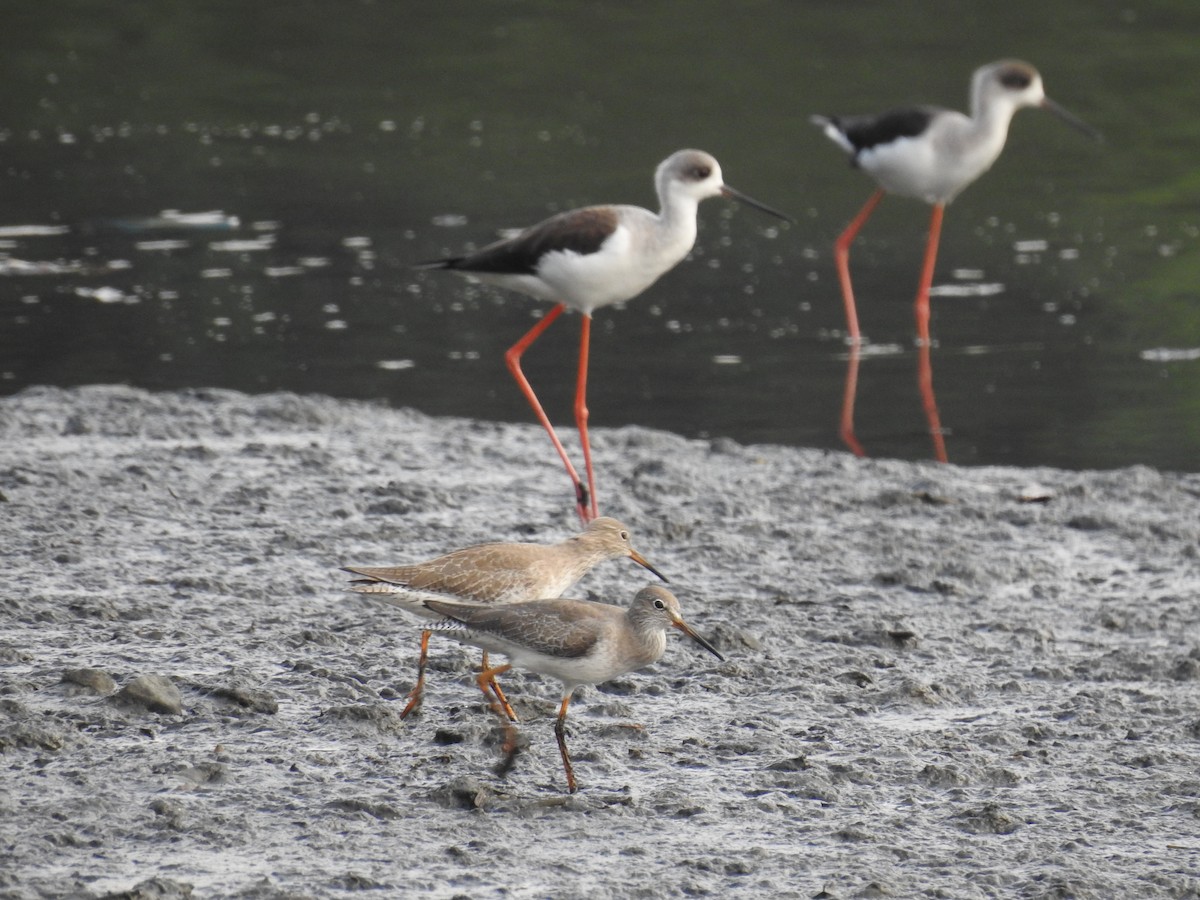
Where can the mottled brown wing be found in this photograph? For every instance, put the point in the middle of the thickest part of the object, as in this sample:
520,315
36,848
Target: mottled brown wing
563,628
487,572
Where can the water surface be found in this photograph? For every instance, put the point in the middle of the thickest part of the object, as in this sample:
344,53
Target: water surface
313,152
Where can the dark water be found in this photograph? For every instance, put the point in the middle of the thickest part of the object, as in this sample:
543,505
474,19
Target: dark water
342,142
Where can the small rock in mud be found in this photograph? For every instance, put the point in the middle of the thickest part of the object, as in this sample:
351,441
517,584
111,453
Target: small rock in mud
156,693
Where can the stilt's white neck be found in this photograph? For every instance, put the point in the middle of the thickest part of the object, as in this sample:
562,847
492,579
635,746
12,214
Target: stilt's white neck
677,218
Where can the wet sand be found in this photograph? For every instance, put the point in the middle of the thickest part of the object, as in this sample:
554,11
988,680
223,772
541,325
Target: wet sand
940,682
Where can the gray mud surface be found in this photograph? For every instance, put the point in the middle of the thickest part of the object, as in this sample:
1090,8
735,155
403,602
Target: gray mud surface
941,682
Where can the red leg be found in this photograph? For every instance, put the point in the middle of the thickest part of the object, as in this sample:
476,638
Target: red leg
512,359
929,401
414,696
847,427
931,248
560,733
581,413
924,364
841,255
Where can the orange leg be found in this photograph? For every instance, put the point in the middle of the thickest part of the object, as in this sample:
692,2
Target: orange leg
560,733
485,679
414,696
841,255
851,390
495,688
581,412
512,359
921,309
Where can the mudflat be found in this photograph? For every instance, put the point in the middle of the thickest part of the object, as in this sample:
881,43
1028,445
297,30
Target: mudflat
939,681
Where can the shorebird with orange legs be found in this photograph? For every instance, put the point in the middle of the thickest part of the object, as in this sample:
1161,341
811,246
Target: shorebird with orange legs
495,573
576,641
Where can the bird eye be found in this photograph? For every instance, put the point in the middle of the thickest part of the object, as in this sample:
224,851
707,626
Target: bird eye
625,535
1015,79
658,604
700,173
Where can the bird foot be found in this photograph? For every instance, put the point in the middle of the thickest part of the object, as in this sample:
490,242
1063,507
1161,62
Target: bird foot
414,702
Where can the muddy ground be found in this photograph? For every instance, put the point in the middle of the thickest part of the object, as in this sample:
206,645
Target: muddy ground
940,682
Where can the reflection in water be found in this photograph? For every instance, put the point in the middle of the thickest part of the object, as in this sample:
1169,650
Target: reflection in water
929,401
924,387
849,395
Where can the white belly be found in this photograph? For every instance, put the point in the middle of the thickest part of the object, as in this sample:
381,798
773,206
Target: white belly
619,271
937,164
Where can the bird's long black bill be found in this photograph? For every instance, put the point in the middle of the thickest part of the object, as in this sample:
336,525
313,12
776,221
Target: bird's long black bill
1071,119
642,561
727,191
686,629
